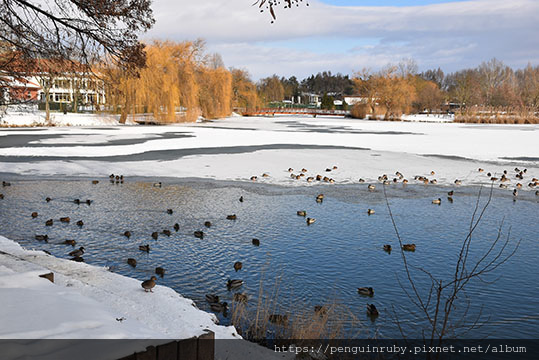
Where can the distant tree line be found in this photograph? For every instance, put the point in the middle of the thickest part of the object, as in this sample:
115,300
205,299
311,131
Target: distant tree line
491,92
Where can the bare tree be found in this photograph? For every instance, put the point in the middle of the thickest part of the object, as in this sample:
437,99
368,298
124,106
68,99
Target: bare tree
80,31
438,304
270,5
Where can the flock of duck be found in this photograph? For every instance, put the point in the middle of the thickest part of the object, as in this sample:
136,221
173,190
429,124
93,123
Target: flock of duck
233,284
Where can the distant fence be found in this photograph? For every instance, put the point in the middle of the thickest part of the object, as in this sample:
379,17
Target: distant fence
293,111
196,348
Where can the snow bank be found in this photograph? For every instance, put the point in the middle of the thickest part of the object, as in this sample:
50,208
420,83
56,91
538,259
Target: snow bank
88,302
85,301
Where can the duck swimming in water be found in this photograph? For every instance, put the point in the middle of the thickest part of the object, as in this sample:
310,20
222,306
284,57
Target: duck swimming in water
77,252
367,291
372,310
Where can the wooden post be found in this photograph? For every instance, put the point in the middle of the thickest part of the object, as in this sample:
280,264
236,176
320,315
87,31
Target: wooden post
206,346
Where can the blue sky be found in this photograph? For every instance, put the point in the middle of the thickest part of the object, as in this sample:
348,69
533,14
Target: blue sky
347,36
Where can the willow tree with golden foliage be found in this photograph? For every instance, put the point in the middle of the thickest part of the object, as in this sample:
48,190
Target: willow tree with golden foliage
244,94
177,84
215,92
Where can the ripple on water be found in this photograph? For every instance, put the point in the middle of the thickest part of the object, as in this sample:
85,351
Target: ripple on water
318,263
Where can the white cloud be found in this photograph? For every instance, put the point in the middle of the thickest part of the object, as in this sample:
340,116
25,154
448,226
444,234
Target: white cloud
452,35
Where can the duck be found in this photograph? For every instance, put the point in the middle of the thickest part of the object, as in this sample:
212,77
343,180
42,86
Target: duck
219,307
160,271
34,214
318,177
367,291
450,193
361,181
5,183
207,224
157,185
434,181
278,319
372,310
80,223
89,202
149,284
265,175
48,199
234,283
144,248
166,232
310,221
387,248
408,247
290,169
335,167
127,234
458,182
231,217
437,201
320,196
238,265
480,170
170,211
95,182
77,252
111,176
310,179
155,235
432,172
405,181
254,178
325,179
241,297
255,242
65,219
371,187
241,198
77,201
212,298
328,170
320,310
302,213
70,242
199,234
370,211
176,227
515,192
399,174
132,262
42,238
386,182
503,186
332,181
49,222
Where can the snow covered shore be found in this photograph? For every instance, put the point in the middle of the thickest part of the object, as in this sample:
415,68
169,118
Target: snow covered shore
237,148
87,302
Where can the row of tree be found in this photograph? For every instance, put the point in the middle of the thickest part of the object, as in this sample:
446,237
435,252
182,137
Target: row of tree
398,89
179,83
